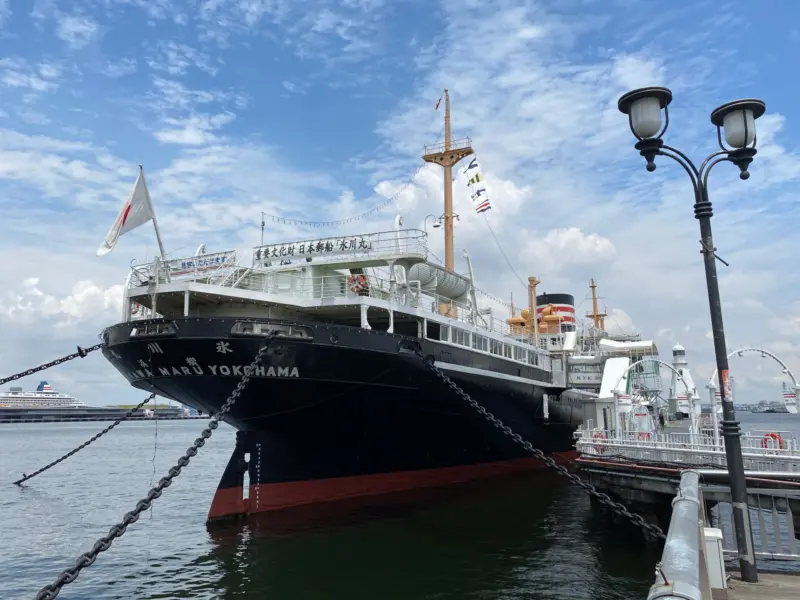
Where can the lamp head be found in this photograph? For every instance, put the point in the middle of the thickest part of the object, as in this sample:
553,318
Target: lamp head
738,120
643,107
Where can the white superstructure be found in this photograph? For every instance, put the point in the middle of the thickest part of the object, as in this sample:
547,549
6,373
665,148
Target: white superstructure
679,400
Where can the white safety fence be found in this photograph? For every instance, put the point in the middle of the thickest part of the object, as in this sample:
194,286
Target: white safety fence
761,450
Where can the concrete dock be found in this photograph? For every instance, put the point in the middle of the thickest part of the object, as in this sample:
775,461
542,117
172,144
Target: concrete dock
770,586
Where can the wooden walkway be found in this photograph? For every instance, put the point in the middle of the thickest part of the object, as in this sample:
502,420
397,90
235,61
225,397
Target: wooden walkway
770,586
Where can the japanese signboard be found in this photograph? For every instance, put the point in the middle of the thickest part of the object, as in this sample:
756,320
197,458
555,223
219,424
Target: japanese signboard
287,253
201,263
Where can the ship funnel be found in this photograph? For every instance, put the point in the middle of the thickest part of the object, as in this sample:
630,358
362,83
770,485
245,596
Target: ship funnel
555,313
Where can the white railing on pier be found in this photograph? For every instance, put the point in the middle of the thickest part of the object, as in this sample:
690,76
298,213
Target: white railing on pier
692,563
761,451
772,520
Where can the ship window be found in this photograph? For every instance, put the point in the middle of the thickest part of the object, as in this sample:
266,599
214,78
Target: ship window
444,333
507,350
520,354
154,329
479,342
460,336
496,347
431,330
296,332
533,358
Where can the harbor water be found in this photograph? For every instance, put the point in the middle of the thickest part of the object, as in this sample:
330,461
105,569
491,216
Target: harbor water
536,537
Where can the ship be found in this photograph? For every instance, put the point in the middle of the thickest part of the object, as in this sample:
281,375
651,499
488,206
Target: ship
342,405
47,405
43,397
789,399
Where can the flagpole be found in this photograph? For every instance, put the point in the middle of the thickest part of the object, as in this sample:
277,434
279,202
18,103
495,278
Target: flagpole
155,222
153,212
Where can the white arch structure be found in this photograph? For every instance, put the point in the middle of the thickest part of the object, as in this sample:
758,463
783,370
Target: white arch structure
764,353
689,391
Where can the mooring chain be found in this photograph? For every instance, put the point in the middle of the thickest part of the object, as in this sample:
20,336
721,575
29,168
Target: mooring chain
617,507
104,543
87,442
82,352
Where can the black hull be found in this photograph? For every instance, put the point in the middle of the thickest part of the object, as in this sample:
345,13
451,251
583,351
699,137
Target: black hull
351,409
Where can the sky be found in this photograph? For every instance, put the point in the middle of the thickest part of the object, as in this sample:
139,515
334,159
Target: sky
319,111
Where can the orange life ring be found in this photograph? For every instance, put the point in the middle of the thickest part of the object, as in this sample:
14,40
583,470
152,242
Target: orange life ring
599,448
357,283
644,436
771,436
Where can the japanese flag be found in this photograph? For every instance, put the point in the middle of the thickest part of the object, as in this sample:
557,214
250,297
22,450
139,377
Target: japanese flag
136,211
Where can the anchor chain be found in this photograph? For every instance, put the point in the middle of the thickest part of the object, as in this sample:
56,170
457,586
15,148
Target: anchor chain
87,442
104,543
82,352
604,499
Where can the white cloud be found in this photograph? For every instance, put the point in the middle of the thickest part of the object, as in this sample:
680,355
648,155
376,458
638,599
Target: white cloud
292,88
619,322
195,130
560,248
175,59
18,73
126,66
86,302
571,199
77,31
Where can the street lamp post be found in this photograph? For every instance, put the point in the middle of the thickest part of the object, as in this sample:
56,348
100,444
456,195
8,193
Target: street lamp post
437,222
737,120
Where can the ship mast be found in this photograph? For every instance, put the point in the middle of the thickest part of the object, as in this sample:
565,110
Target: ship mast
597,317
446,155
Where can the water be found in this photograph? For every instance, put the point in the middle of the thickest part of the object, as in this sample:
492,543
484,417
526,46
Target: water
536,538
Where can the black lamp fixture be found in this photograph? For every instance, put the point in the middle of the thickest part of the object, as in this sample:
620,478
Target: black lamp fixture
737,120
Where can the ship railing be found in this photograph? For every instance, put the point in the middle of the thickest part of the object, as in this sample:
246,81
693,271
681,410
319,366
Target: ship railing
205,268
351,287
389,245
684,449
459,144
225,273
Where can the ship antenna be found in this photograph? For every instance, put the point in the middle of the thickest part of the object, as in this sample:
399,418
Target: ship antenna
446,155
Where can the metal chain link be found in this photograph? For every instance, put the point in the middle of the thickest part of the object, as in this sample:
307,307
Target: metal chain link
82,352
104,543
604,499
87,442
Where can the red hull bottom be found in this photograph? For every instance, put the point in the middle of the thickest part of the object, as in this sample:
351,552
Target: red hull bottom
270,497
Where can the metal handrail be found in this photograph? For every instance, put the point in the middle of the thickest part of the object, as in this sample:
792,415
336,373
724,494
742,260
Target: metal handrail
681,570
458,144
300,285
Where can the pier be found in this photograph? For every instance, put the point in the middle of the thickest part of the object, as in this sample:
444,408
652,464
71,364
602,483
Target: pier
692,565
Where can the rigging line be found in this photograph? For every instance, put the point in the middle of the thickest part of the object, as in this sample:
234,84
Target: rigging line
371,211
499,247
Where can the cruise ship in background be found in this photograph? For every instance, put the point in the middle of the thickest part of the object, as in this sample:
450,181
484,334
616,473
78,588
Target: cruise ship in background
44,397
47,405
